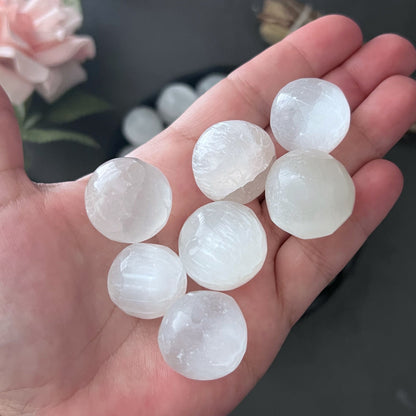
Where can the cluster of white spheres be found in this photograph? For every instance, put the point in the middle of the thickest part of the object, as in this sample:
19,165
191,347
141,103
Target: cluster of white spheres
142,123
203,334
222,245
309,194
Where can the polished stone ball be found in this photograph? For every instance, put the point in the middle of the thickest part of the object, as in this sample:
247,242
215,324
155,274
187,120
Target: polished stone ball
309,194
310,113
207,82
222,245
203,336
128,200
174,100
146,279
141,124
231,159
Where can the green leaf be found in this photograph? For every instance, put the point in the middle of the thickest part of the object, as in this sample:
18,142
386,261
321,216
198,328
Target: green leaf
47,136
32,120
75,105
76,4
20,113
28,103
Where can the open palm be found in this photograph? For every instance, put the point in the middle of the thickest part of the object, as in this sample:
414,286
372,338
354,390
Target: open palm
66,350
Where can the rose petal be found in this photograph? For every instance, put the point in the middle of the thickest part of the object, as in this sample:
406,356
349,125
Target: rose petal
36,43
8,36
73,20
26,67
36,8
51,20
60,80
16,87
11,8
48,21
74,47
57,25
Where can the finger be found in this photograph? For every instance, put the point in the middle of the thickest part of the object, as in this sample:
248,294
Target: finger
305,267
386,114
380,58
359,75
379,122
248,92
11,154
376,125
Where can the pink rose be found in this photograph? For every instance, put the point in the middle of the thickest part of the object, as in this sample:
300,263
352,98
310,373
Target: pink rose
38,50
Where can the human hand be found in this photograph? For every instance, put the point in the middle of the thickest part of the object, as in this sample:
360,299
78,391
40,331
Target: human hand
65,349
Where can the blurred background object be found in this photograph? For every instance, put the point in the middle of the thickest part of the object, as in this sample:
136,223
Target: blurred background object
280,17
356,353
40,62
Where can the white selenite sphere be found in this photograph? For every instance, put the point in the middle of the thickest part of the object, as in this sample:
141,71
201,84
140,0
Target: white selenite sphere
203,336
207,82
309,193
222,245
231,161
310,113
146,279
141,124
128,200
174,100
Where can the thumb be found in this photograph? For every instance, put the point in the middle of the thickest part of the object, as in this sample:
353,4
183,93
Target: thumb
11,150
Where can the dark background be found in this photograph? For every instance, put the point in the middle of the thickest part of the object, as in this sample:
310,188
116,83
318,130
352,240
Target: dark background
355,355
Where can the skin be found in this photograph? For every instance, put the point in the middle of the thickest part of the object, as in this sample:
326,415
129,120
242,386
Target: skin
65,349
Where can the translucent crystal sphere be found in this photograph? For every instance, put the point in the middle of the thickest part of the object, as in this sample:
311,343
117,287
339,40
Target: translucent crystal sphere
146,279
310,113
174,100
222,245
231,160
203,336
207,82
309,193
128,200
141,124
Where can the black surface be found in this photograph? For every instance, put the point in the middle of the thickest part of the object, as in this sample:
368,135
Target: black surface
355,355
